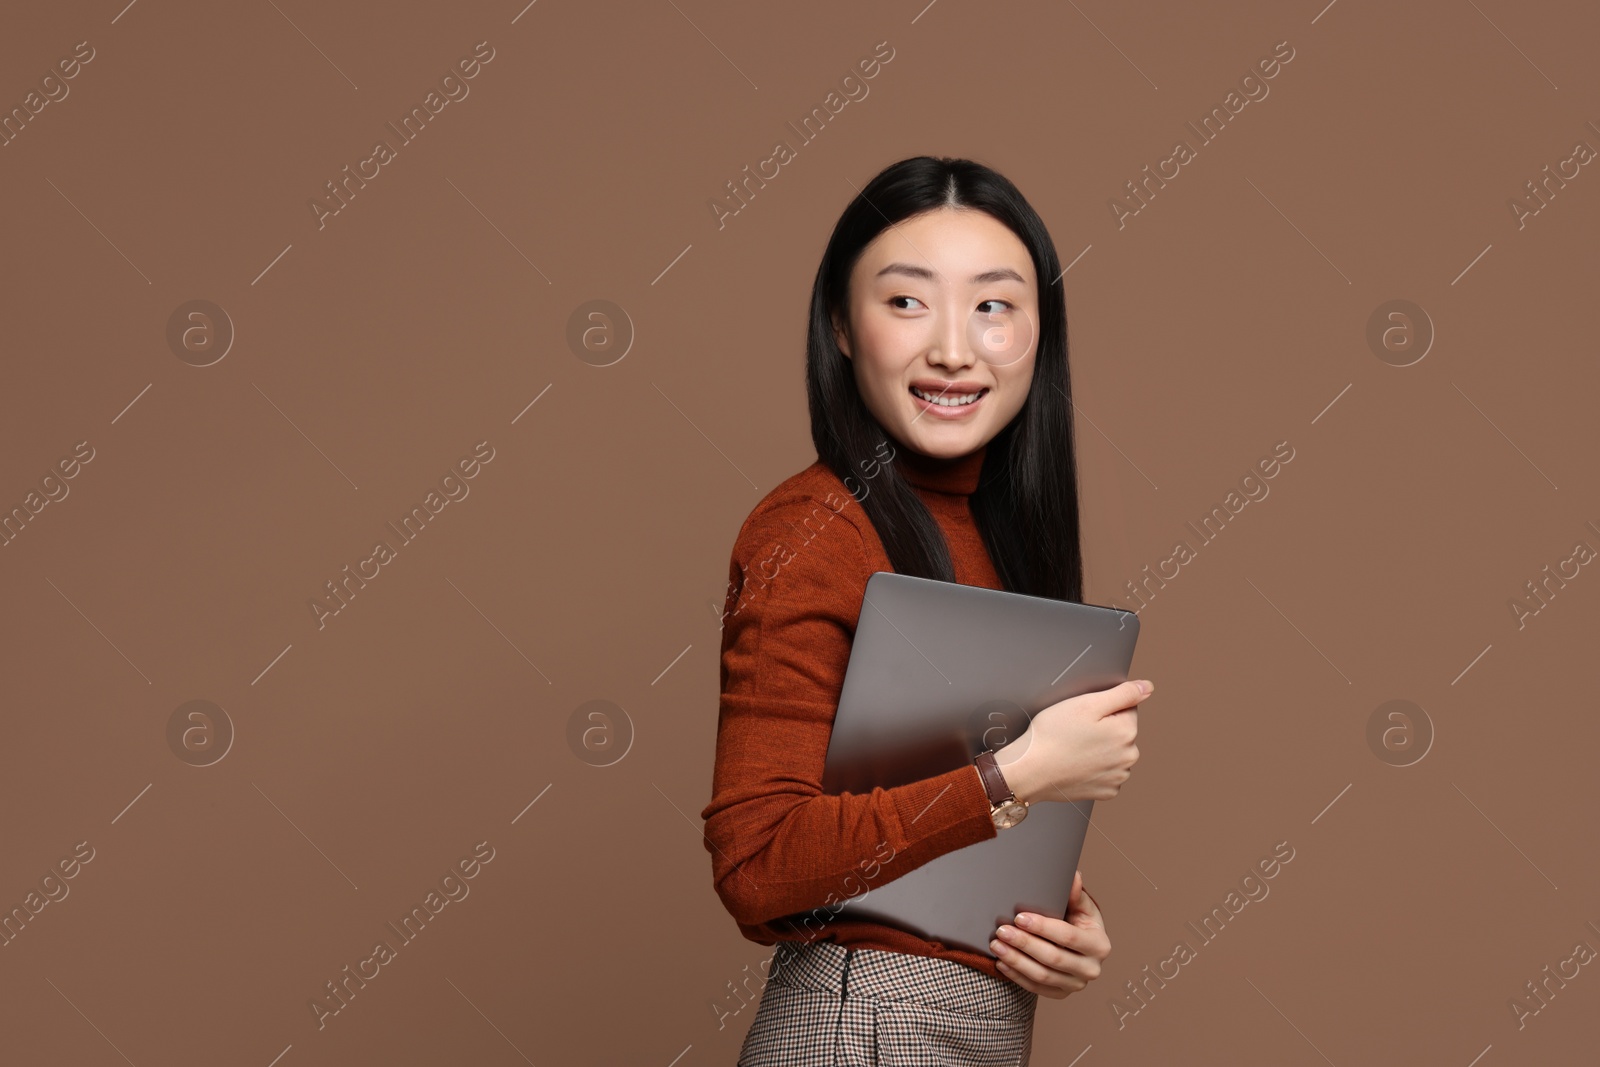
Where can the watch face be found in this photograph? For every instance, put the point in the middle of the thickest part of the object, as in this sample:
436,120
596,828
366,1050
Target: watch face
1009,814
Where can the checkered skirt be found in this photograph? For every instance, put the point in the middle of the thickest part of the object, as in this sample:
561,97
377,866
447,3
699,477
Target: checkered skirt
825,1005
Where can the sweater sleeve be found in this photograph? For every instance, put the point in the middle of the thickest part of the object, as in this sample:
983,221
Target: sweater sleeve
778,844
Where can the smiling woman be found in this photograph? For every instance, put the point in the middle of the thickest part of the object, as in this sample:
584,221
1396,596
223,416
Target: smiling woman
937,335
919,327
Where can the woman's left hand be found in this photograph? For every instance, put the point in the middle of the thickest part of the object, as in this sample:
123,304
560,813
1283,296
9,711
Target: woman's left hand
1055,957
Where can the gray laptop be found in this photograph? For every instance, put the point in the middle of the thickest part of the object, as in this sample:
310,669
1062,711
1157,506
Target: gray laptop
938,672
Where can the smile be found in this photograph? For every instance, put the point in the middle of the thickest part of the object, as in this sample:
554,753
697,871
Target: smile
958,400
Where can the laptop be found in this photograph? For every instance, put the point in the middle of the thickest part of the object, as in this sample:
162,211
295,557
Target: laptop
938,672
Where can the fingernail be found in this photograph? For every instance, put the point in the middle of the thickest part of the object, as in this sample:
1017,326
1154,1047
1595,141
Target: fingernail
1144,687
1022,920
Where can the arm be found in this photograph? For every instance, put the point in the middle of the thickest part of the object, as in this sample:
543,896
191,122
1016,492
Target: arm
778,844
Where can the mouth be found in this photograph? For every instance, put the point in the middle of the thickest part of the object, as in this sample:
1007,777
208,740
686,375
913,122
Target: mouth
947,404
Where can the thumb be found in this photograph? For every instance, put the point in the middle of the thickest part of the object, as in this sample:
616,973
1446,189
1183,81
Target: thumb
1080,905
1118,698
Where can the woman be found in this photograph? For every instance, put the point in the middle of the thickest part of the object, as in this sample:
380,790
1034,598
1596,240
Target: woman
936,372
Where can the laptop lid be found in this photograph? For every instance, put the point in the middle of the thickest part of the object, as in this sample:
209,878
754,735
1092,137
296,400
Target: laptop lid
938,672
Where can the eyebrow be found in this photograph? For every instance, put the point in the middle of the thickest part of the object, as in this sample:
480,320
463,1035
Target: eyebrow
996,274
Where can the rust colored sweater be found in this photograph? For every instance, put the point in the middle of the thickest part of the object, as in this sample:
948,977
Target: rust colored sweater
784,855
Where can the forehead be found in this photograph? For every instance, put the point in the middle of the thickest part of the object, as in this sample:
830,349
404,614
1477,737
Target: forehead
945,247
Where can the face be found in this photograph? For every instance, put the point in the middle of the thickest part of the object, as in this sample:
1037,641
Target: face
943,307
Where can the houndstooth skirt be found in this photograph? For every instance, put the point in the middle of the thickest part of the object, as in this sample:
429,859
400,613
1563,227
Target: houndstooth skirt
828,1006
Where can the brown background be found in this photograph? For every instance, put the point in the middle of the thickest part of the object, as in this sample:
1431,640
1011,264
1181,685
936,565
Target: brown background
589,560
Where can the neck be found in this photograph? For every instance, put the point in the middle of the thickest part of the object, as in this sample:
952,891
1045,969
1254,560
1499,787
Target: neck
958,475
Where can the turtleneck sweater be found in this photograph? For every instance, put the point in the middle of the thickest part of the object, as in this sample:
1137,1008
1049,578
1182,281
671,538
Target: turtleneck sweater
785,856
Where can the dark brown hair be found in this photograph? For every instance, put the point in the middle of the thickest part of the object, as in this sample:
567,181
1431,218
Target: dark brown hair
1026,503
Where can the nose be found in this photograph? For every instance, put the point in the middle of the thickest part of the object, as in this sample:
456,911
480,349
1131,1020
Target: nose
951,346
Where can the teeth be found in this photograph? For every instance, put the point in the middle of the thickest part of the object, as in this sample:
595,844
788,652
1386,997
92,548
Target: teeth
945,401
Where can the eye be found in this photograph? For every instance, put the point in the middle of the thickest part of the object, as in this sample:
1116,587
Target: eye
892,299
1002,303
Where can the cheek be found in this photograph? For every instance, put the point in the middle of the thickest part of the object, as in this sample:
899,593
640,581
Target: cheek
1013,406
888,342
878,372
883,399
1015,385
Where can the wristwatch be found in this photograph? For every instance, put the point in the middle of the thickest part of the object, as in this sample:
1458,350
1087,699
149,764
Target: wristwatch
1004,807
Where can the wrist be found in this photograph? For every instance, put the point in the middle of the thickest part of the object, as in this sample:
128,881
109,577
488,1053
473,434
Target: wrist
1016,769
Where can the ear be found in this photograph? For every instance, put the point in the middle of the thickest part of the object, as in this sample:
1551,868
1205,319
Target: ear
841,337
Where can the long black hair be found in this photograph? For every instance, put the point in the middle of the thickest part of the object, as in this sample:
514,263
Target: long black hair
1026,503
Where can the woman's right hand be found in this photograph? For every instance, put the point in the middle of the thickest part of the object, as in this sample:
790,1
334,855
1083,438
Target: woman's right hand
1080,748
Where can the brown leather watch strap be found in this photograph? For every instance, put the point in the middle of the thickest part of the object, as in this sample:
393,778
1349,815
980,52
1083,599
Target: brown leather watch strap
994,781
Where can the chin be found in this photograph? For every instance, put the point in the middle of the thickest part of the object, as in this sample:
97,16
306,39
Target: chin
947,445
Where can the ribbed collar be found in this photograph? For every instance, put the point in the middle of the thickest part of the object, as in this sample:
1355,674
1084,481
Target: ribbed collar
958,476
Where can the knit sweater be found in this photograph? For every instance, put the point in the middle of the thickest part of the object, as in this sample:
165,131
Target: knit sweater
784,855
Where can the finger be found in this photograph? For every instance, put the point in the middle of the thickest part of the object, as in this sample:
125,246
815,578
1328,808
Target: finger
1048,953
1041,979
1089,908
1012,976
1029,984
1063,970
1079,934
1084,907
1119,698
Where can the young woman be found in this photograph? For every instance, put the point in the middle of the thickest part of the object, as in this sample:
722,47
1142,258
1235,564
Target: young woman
941,412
